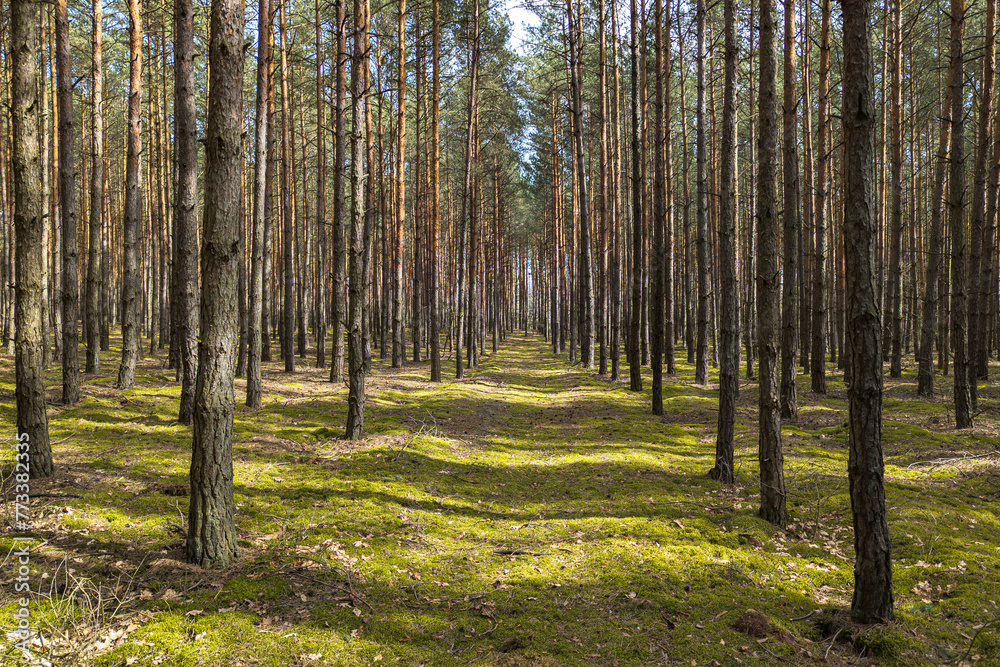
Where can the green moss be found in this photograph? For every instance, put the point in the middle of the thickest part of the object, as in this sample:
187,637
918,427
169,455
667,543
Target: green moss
265,588
531,514
883,643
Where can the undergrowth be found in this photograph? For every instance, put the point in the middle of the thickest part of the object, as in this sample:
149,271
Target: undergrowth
531,514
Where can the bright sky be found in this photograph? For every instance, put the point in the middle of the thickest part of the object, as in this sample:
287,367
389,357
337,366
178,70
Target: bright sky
521,17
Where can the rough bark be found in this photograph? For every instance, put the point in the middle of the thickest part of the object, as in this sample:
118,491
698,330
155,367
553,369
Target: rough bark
772,480
398,286
729,316
464,252
701,176
895,287
817,369
792,225
872,600
67,202
93,306
32,420
211,519
956,224
586,270
132,223
255,393
355,355
337,314
978,232
635,369
287,216
935,259
435,232
186,203
319,301
659,215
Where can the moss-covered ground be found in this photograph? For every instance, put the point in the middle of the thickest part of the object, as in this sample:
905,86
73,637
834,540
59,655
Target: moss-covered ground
531,514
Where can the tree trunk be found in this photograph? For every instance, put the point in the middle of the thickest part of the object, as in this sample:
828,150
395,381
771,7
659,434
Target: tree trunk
635,369
659,215
956,224
935,261
267,293
978,229
319,302
702,241
255,392
792,225
355,356
32,421
435,331
287,216
398,286
729,357
211,520
895,287
772,479
988,286
819,295
186,203
93,314
465,252
131,276
67,202
586,260
873,563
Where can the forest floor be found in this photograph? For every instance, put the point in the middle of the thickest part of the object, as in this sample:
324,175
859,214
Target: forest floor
531,514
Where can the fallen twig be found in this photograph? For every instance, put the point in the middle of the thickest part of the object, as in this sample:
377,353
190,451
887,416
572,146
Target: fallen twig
832,642
958,459
802,618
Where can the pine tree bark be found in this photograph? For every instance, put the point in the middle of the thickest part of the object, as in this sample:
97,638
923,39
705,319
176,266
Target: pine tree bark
287,216
211,520
635,369
339,302
556,283
701,176
602,309
93,306
67,202
586,269
267,293
956,224
659,215
772,480
319,302
792,223
398,286
669,360
895,287
729,316
935,261
988,292
872,600
32,420
186,204
355,356
465,252
978,232
131,274
435,331
255,391
817,369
